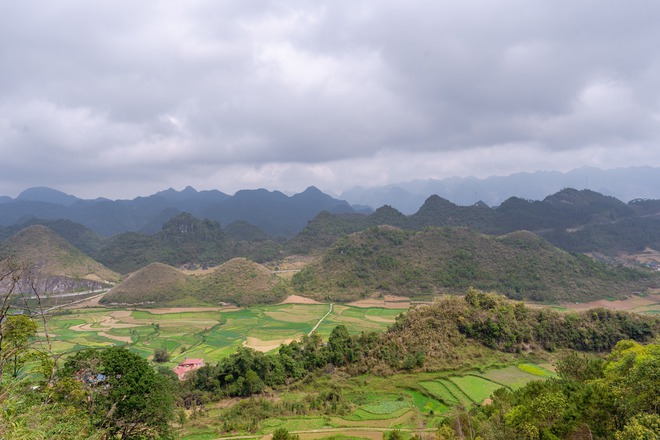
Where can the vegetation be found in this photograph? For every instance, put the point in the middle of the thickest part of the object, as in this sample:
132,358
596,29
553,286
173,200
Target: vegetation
52,256
617,398
123,395
238,281
449,260
186,240
440,336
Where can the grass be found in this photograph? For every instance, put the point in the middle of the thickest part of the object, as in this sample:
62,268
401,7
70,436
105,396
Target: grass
386,407
536,370
427,405
476,388
510,376
439,391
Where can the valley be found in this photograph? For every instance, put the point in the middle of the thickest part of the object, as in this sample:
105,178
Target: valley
361,325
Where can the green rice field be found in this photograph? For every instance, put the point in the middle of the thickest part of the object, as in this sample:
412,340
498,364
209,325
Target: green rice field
206,333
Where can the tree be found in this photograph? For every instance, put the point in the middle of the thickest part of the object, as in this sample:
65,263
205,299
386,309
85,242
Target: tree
16,332
161,355
633,374
12,272
283,434
126,397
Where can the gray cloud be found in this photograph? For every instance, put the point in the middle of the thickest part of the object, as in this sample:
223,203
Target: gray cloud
120,98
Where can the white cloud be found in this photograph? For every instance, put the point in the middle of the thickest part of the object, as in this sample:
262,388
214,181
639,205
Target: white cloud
283,95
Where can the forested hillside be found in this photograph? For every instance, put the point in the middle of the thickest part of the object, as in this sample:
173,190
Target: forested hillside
445,260
583,221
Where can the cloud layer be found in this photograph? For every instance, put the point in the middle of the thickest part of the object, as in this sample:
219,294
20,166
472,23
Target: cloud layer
119,98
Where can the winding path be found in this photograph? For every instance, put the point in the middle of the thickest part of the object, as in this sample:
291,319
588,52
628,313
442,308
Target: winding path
320,321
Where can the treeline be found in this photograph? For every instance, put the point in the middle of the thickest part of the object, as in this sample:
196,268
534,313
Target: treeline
447,334
613,398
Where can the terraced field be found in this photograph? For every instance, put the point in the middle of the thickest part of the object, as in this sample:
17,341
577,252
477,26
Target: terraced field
405,401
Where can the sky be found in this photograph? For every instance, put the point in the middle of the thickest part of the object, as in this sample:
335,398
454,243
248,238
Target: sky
125,98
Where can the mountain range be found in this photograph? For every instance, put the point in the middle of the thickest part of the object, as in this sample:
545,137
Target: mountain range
623,183
277,214
440,248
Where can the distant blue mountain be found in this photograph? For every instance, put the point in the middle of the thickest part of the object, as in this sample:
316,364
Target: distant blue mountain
47,195
623,183
275,213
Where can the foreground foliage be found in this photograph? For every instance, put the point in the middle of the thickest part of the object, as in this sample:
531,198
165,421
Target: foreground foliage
441,336
616,398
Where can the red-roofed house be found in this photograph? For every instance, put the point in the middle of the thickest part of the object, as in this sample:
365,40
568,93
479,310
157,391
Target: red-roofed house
187,365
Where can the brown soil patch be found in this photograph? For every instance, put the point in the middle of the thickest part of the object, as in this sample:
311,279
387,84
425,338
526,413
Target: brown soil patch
380,319
164,311
126,339
264,346
632,304
324,433
297,299
387,302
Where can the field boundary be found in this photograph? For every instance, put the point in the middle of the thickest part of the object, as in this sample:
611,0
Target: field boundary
320,321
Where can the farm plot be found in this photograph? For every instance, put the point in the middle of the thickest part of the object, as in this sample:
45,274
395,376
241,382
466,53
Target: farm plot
476,388
511,376
211,333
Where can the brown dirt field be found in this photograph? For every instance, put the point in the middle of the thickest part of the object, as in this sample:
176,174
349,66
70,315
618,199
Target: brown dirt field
297,299
633,303
126,339
264,346
164,311
387,302
371,435
380,319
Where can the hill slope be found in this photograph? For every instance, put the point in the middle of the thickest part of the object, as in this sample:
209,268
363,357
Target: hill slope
238,281
155,283
242,282
446,260
58,264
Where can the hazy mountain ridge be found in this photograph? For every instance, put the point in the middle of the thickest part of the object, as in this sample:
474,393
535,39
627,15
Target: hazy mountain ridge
272,211
623,183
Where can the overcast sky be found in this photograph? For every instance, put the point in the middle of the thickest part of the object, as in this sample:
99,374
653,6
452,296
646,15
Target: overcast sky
125,98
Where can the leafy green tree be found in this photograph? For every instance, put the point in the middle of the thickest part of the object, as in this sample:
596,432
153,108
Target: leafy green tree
126,397
283,434
16,332
393,435
641,427
340,347
633,373
161,355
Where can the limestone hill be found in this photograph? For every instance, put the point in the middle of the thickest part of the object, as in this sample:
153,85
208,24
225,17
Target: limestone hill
238,281
155,283
242,282
520,265
55,258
